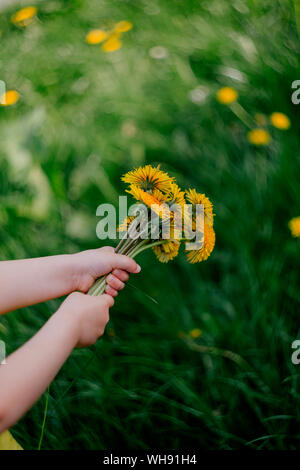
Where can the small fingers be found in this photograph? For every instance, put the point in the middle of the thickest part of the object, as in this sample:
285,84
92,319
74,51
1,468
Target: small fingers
120,274
110,291
114,282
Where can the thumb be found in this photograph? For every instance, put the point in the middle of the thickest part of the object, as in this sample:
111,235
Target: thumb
125,263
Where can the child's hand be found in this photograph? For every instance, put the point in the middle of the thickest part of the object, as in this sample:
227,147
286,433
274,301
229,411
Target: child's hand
85,316
79,322
89,265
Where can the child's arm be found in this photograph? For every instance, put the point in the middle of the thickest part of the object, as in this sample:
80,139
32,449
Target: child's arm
30,281
80,321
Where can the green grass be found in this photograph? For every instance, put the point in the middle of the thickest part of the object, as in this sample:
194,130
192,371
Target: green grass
86,117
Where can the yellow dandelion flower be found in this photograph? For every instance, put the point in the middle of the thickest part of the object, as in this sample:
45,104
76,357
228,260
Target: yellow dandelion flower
135,191
195,333
197,198
175,234
259,137
122,26
112,44
9,98
149,178
96,36
195,256
227,95
280,120
167,251
148,199
175,195
24,17
156,198
294,226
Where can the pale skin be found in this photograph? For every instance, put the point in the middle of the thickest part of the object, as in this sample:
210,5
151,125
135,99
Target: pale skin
79,321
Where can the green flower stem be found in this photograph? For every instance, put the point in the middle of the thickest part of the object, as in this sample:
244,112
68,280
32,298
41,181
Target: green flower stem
124,240
44,419
121,243
124,246
141,248
136,247
119,246
98,287
131,243
101,287
128,242
242,114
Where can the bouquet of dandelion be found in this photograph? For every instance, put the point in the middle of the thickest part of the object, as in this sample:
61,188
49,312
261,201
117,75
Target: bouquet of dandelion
163,217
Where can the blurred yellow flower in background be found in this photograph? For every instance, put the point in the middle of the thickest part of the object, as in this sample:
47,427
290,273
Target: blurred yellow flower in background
122,26
9,98
294,226
112,38
227,95
195,333
112,44
280,120
259,137
96,36
24,17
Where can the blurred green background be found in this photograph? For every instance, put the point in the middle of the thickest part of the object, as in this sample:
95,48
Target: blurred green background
85,117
